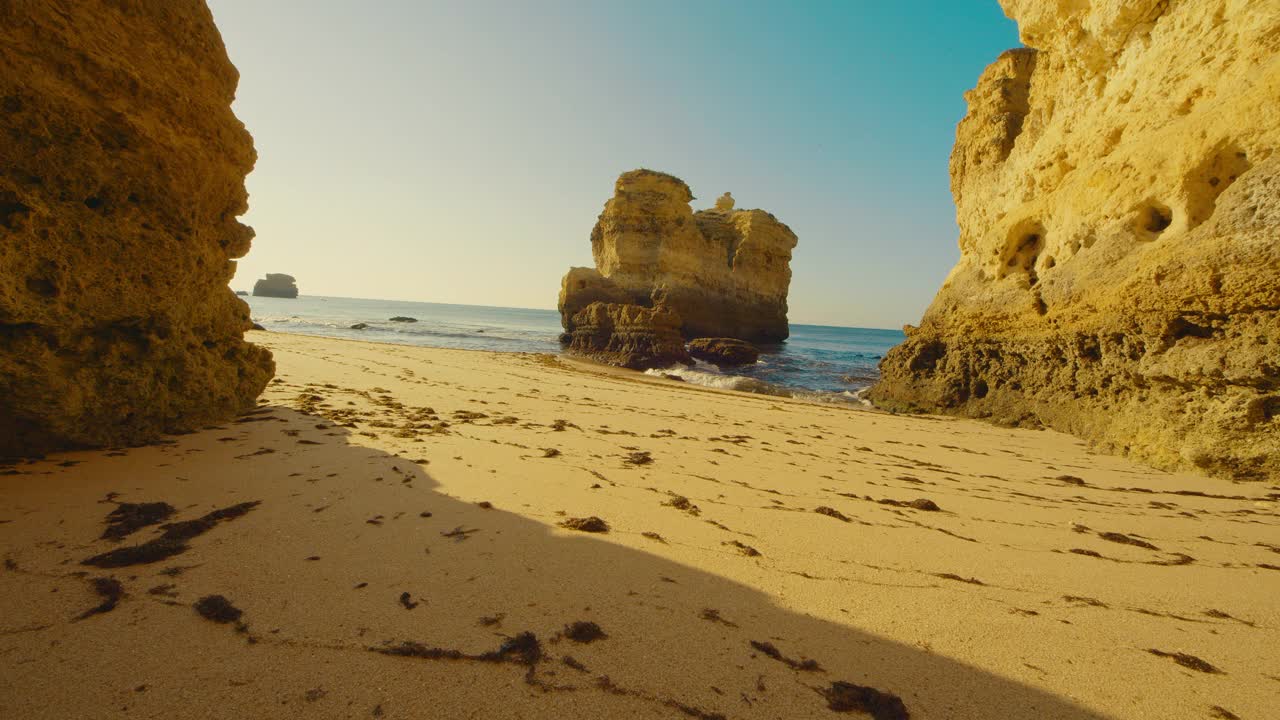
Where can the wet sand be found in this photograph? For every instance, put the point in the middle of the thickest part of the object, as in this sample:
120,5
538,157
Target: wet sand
406,532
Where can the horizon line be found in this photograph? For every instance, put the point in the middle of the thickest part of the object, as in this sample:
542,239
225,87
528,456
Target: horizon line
249,293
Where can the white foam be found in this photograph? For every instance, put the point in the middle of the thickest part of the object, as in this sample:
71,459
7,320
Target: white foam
708,375
698,376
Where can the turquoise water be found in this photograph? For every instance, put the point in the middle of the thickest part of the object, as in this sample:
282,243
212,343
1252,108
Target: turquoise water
818,361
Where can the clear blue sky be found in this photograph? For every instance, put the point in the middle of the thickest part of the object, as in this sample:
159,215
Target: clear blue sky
460,152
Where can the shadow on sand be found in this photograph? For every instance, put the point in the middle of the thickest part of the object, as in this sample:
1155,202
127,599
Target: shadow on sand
366,592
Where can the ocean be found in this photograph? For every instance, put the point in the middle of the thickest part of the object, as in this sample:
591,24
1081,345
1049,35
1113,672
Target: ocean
818,362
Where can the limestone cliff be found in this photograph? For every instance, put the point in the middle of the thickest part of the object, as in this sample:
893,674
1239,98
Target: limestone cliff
628,336
1117,188
276,285
121,177
725,272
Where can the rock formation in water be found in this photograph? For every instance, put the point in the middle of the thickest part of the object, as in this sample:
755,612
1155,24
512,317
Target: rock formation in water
628,336
724,272
724,352
1117,186
121,176
277,285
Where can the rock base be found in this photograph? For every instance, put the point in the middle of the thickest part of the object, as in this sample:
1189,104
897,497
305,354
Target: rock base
628,336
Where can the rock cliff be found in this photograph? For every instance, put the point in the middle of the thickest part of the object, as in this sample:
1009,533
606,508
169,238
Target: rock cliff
1117,188
121,177
276,285
724,272
628,336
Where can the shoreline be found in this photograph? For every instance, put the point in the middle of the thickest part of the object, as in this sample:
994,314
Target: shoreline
816,359
412,521
592,366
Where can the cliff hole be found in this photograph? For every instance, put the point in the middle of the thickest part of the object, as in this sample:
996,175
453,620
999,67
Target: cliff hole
1265,409
1089,349
928,356
1022,252
12,212
44,280
43,287
1153,219
1203,185
1181,328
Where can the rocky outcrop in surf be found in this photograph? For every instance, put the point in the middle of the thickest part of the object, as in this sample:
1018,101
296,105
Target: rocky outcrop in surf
724,272
277,285
628,336
121,177
1117,186
725,352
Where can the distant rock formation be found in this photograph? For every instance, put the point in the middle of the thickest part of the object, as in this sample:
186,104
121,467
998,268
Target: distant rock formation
1117,186
628,336
724,272
725,352
277,285
403,319
121,177
241,293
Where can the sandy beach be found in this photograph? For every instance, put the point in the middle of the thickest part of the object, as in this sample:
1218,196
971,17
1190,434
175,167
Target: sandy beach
410,532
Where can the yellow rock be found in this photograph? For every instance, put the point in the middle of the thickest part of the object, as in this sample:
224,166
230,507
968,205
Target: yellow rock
1118,193
725,272
121,178
628,336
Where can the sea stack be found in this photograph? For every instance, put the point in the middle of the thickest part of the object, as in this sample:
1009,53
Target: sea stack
1117,186
277,285
724,272
628,336
121,178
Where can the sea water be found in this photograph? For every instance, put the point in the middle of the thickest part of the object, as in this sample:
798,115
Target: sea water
817,362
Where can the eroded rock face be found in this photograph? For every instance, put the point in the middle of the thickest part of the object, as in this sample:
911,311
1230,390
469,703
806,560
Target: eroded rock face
725,272
582,286
1118,195
121,176
276,285
723,351
628,336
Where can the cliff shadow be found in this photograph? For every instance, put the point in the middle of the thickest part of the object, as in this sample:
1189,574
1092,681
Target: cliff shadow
367,591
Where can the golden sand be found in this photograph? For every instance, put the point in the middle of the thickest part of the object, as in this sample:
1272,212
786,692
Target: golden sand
413,555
